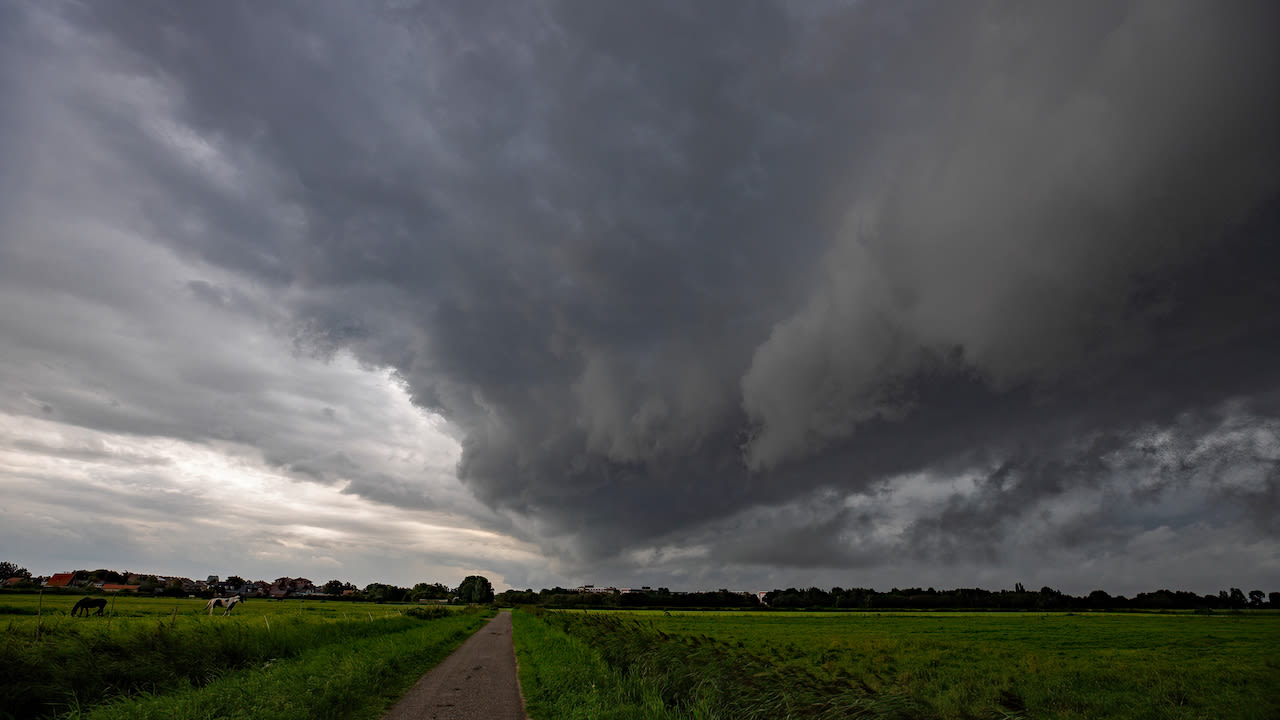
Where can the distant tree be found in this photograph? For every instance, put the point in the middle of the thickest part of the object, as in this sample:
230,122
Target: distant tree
380,592
1017,587
8,570
429,591
235,581
1256,598
516,597
1275,600
1050,598
333,587
1099,599
475,589
1237,598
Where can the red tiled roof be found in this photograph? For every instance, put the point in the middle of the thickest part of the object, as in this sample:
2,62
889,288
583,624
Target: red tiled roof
60,579
116,587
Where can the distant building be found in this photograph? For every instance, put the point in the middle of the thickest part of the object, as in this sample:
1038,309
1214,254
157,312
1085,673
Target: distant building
57,580
118,587
286,587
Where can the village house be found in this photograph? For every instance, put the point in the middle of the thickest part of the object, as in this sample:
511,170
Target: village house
289,587
60,580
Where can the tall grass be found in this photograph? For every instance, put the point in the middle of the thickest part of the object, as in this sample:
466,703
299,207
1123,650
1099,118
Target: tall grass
348,680
55,664
918,665
625,668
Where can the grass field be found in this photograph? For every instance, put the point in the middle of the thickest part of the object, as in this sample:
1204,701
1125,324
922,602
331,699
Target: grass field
899,665
165,658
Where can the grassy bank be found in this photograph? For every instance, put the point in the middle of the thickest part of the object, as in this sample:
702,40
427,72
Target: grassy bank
902,665
166,658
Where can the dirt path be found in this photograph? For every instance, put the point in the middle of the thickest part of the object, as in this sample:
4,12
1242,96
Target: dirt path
478,681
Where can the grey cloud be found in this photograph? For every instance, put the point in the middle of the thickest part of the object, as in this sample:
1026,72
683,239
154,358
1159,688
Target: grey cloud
1072,514
667,267
90,450
1038,238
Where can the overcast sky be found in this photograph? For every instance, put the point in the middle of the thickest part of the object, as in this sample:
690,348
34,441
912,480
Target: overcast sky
720,294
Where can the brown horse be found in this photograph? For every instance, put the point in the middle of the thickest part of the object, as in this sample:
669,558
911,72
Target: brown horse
84,605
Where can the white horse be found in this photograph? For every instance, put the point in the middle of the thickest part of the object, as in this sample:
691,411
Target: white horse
222,602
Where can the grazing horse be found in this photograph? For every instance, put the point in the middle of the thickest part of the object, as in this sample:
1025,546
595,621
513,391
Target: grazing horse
222,602
86,604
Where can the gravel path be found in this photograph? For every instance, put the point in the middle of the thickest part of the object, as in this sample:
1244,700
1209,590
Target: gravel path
477,682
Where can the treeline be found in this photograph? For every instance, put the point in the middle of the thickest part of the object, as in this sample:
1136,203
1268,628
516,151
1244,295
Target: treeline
896,599
473,589
559,597
1017,599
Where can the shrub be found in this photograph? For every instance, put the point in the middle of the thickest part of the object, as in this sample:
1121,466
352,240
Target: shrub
426,612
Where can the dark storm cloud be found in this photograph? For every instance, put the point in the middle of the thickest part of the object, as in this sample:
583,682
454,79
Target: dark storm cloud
674,269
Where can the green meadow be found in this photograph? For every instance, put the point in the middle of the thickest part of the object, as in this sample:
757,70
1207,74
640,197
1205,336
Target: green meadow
899,665
166,658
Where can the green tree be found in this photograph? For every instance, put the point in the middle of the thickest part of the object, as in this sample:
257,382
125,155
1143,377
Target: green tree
378,592
8,570
475,589
235,581
106,576
333,587
429,591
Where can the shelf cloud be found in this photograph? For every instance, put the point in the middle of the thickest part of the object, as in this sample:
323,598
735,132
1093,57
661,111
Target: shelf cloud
732,294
